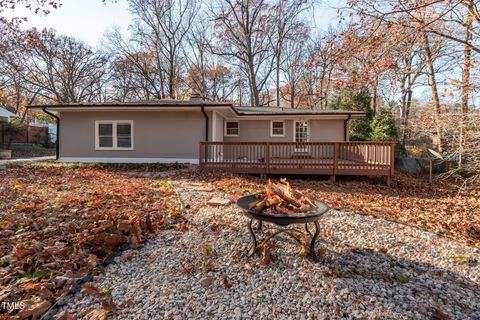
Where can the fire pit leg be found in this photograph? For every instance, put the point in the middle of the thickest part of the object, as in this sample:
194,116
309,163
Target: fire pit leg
307,229
259,225
254,239
314,239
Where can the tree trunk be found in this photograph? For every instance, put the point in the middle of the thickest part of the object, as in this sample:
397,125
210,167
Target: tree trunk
254,95
373,98
277,80
433,86
171,80
407,114
292,95
465,85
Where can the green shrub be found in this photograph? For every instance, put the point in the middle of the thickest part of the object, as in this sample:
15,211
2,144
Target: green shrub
354,100
383,127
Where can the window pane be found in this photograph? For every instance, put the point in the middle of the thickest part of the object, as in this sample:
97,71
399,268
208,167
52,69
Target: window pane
105,142
123,129
232,125
277,128
232,128
124,142
105,129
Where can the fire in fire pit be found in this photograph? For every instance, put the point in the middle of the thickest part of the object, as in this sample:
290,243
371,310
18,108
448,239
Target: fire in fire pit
280,198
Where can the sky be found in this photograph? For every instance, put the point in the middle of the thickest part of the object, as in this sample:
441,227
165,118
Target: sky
87,20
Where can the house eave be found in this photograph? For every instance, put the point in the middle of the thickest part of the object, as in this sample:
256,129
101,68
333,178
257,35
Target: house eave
226,109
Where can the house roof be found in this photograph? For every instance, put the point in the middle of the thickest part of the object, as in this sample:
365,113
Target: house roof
289,111
6,113
120,105
185,104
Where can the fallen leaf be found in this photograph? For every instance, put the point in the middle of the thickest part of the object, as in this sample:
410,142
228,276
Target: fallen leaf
267,256
97,314
247,266
337,273
304,251
206,250
127,255
109,305
226,283
29,287
383,250
92,261
63,315
188,268
113,241
33,308
91,289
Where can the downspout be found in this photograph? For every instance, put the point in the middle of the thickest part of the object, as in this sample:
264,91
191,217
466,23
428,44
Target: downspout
345,127
206,122
206,136
57,143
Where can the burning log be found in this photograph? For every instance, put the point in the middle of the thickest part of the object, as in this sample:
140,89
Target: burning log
280,198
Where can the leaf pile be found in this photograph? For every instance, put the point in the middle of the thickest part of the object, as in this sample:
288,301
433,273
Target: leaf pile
439,207
57,223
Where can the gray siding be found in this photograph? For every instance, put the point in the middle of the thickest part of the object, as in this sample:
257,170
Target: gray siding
259,130
157,134
326,130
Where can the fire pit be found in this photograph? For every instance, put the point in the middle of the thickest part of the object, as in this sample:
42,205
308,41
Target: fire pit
282,206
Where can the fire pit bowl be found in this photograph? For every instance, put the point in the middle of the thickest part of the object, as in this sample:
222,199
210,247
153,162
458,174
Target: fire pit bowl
283,220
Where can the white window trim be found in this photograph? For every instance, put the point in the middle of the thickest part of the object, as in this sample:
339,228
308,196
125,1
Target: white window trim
114,134
225,129
271,128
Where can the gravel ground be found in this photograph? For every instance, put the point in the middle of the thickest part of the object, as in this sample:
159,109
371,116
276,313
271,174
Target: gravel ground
367,269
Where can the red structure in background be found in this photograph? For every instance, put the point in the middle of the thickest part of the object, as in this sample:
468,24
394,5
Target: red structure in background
31,134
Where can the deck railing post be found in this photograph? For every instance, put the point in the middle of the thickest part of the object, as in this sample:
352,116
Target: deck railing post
200,158
392,158
267,158
336,148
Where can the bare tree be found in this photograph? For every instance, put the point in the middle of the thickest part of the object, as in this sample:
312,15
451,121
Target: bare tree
293,66
243,31
59,68
161,26
285,24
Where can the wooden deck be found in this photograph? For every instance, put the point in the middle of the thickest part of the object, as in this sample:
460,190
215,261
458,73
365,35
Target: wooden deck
323,158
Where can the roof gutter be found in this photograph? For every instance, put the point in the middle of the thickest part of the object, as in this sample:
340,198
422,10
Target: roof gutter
345,127
57,143
206,121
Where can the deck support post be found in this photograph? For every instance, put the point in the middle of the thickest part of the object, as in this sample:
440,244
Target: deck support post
333,178
388,180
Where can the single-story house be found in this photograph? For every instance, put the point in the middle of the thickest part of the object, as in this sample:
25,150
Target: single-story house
215,135
5,115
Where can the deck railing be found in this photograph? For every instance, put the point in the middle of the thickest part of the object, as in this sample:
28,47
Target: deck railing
331,158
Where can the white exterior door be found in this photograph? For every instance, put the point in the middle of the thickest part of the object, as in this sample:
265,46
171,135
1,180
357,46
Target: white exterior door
302,134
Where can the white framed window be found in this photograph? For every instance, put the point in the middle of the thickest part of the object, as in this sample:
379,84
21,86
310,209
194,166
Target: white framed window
277,128
114,135
232,129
